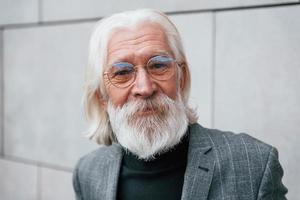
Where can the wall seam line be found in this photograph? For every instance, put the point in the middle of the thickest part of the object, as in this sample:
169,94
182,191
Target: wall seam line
40,11
86,20
38,183
41,164
234,8
51,23
2,91
213,82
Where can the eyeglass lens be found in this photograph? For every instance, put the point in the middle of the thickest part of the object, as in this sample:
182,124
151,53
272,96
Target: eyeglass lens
122,74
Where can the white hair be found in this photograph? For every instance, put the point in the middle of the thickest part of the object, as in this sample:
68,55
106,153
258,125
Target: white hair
94,90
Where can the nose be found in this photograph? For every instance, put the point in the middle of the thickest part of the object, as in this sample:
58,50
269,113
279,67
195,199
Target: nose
144,87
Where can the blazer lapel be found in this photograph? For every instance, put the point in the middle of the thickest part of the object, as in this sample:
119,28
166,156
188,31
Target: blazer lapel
199,170
200,166
113,166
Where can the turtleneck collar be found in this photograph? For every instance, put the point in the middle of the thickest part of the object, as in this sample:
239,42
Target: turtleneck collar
174,158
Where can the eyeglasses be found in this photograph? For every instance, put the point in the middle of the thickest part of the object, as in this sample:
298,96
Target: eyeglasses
123,74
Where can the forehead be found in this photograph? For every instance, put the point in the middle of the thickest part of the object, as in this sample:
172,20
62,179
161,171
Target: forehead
144,39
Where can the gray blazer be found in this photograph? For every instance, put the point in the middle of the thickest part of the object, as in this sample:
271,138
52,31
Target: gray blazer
221,165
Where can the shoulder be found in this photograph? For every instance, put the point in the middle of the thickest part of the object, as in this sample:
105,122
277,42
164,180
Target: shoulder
93,170
235,150
230,142
243,163
97,158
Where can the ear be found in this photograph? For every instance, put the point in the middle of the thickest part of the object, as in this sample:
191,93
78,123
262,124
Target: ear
183,77
103,102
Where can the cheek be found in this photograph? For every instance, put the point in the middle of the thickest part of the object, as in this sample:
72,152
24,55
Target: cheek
117,96
170,88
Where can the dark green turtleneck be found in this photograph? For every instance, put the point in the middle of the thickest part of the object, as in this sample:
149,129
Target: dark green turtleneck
158,179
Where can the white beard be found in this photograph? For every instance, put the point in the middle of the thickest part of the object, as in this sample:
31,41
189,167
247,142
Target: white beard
149,135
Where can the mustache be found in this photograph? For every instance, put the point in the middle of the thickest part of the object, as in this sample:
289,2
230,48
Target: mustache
159,103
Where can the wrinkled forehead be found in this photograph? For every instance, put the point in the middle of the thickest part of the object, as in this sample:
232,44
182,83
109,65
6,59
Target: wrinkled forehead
137,28
145,38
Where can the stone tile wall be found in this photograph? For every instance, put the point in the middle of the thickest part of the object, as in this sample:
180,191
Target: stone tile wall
19,11
257,79
245,76
76,9
1,94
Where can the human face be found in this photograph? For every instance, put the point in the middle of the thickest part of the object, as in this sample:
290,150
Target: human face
137,45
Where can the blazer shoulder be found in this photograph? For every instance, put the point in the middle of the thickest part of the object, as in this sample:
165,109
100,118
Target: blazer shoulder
220,138
230,142
93,170
98,157
246,165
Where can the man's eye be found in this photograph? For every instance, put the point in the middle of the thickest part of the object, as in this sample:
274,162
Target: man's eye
158,65
121,69
159,62
123,72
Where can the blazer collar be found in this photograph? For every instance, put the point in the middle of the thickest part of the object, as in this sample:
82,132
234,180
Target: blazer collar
199,170
200,165
113,165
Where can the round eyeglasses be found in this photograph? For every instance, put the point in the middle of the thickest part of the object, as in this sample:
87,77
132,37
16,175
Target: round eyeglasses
123,74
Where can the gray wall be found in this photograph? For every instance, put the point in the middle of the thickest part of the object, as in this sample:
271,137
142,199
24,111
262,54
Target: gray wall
244,58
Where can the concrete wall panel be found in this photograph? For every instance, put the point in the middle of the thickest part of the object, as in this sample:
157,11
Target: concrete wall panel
18,181
76,9
18,11
252,87
44,72
197,40
1,92
56,185
258,78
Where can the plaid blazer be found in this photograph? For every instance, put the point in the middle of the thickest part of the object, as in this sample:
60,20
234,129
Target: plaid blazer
221,165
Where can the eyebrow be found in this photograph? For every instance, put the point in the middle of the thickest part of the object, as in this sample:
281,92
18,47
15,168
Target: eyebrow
126,58
160,53
122,64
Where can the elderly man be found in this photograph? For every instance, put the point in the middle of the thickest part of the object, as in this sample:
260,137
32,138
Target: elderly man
136,100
